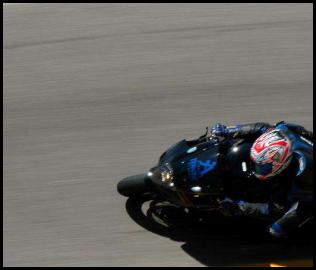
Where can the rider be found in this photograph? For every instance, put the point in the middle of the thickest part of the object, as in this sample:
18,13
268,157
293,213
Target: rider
272,161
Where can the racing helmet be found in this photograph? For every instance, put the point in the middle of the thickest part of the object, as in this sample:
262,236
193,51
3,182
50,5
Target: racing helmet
270,154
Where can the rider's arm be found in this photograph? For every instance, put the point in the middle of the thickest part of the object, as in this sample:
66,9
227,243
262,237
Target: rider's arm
241,131
253,129
256,129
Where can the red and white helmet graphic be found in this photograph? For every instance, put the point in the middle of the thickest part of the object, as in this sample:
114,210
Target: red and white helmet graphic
271,153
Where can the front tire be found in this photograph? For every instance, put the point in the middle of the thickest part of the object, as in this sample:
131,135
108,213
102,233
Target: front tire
133,186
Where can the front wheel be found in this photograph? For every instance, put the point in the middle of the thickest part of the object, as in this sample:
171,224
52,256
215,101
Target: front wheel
134,185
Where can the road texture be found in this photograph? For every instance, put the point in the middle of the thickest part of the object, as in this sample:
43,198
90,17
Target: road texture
96,92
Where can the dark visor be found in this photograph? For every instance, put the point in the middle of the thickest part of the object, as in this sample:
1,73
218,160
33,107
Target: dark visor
263,170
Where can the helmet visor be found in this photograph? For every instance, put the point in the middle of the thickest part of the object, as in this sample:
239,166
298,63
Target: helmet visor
264,169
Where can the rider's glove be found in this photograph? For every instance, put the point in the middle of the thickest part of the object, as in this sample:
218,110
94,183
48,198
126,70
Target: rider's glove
219,130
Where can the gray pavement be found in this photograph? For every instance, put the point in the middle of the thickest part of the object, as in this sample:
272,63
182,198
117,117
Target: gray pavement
96,92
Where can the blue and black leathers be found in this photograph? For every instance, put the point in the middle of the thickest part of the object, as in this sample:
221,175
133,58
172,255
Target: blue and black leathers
290,203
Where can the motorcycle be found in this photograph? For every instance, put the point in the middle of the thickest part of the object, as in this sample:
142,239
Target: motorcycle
188,178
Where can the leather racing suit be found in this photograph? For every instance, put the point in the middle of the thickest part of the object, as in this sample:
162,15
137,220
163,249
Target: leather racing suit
290,204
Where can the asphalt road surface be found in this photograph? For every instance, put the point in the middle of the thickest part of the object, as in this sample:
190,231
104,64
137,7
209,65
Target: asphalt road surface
96,92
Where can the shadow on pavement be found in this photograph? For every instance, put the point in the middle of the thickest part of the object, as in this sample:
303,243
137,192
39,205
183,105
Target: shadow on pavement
221,241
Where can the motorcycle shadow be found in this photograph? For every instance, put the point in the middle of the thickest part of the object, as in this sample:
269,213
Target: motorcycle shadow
222,241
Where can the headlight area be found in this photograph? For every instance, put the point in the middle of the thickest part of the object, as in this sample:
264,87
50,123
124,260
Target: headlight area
167,175
162,175
166,178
